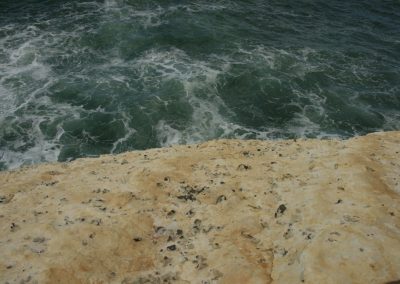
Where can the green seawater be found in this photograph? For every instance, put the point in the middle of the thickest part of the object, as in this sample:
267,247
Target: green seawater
84,78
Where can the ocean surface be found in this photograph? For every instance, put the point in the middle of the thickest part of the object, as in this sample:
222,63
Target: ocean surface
84,78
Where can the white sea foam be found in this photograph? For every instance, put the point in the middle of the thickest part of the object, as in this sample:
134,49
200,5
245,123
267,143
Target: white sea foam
24,79
155,16
207,120
129,132
6,102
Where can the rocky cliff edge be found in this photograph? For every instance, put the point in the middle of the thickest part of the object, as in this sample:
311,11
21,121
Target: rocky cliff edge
227,211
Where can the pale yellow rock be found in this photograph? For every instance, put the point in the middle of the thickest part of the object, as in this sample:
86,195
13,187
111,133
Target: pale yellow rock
228,211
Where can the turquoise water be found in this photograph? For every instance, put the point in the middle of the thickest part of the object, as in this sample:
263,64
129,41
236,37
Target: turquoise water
83,78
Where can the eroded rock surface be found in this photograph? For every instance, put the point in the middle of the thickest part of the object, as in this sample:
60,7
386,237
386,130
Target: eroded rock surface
227,211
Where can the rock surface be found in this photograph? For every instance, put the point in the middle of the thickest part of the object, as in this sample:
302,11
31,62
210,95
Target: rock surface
228,211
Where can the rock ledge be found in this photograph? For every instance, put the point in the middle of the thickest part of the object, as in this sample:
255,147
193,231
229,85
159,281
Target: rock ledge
227,211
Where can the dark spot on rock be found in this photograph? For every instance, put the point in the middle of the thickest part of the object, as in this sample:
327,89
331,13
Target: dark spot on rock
172,212
191,192
200,262
190,213
370,169
281,209
207,230
6,198
137,239
288,234
97,222
254,207
37,213
50,183
14,227
243,167
171,247
197,225
339,201
160,229
187,197
246,235
352,219
39,240
220,199
166,179
9,266
179,232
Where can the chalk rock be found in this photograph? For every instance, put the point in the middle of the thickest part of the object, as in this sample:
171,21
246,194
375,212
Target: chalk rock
227,211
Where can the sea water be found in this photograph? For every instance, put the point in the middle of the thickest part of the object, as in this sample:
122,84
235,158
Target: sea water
84,78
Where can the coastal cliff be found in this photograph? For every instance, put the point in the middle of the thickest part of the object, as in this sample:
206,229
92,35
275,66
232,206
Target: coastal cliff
227,211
